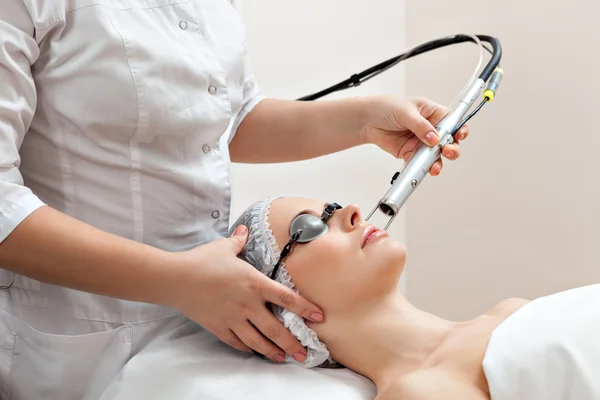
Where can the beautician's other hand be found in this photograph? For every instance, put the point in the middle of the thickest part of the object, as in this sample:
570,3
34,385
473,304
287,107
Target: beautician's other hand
227,296
397,125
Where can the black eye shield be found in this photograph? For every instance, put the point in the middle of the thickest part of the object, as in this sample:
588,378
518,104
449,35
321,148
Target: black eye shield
306,228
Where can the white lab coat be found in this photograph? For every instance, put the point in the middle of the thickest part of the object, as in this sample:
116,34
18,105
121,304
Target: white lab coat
118,113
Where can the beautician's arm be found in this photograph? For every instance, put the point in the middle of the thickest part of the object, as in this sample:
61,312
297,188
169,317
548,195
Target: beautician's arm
286,130
52,247
209,284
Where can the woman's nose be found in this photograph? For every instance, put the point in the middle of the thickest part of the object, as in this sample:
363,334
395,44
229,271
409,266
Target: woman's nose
351,217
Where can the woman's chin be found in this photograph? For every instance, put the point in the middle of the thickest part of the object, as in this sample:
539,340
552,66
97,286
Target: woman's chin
397,258
390,258
389,248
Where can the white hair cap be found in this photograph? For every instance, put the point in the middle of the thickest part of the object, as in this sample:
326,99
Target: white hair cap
262,252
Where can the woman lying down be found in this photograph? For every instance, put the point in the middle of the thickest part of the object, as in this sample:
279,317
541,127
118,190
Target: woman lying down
547,349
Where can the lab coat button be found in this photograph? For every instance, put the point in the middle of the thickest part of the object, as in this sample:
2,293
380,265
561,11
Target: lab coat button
215,214
212,89
206,148
183,25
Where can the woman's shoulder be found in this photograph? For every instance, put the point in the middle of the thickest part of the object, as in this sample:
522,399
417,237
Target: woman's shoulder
433,384
507,307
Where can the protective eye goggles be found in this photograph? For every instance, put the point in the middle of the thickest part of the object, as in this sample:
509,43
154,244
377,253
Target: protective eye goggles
306,228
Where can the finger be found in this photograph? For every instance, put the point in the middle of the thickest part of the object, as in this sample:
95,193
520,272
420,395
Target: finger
239,238
274,330
436,168
408,148
280,295
462,133
451,151
230,339
431,110
254,340
419,126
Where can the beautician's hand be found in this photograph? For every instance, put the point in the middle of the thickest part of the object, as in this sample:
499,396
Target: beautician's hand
397,125
227,296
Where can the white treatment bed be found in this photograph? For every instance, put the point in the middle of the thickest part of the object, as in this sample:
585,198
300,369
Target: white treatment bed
193,364
549,349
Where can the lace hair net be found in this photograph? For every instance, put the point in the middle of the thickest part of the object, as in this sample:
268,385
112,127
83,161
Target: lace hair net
262,252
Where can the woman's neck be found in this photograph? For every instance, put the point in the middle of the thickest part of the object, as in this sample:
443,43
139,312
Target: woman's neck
386,340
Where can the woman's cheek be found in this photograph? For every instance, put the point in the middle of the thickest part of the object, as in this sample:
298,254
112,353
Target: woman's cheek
322,250
325,257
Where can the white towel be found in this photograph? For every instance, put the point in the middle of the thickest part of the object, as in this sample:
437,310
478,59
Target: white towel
548,350
192,364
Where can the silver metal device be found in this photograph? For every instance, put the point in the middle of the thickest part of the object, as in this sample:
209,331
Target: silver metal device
406,181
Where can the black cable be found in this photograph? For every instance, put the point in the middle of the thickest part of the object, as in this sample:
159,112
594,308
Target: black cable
468,117
358,79
496,56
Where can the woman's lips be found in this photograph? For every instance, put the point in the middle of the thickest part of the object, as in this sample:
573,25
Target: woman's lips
371,234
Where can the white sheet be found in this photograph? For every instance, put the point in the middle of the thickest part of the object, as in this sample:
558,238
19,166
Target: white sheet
548,350
193,364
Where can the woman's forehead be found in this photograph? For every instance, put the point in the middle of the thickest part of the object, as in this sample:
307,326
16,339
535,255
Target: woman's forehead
285,209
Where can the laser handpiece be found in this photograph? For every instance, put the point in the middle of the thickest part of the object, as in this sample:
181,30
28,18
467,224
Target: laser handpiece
418,165
405,182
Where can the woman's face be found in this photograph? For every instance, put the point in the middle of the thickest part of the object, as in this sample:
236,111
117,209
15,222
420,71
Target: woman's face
351,263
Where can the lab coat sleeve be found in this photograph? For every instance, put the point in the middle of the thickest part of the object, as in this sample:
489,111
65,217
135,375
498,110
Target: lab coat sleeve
18,51
251,95
250,98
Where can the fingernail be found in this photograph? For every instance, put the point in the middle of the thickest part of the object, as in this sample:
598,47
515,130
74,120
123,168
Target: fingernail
451,154
300,357
241,230
280,358
316,317
431,138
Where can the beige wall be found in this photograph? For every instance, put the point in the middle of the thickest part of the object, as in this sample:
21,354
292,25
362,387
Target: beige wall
519,213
